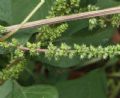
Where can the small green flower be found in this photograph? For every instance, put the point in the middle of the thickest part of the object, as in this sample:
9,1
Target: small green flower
2,29
18,53
59,8
33,48
13,72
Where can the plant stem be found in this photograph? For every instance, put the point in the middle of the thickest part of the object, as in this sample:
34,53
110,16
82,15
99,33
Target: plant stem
13,62
27,49
61,19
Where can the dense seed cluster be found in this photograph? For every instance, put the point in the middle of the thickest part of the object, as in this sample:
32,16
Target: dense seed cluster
83,51
59,8
12,72
64,50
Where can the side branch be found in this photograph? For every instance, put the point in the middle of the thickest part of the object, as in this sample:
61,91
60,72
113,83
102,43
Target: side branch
60,19
27,49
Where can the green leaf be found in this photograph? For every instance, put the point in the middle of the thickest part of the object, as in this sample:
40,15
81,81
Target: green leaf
17,10
84,3
11,89
6,89
92,85
95,37
107,3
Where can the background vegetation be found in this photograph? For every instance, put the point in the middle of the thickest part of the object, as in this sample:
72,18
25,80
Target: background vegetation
66,60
